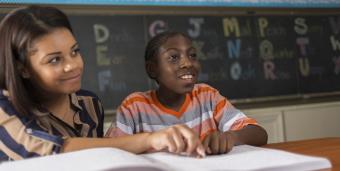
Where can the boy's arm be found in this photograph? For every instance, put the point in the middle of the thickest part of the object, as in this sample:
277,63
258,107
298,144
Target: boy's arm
218,142
250,134
234,128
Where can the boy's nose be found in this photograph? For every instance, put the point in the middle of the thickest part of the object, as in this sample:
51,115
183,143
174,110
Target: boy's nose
185,62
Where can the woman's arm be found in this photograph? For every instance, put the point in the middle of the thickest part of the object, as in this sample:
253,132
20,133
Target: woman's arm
176,139
137,143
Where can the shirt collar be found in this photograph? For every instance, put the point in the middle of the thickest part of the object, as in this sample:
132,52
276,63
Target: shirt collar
75,102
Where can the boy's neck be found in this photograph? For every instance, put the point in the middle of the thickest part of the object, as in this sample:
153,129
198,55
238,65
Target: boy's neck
170,100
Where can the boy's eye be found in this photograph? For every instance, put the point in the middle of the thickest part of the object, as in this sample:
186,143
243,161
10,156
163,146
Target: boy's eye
75,52
173,57
193,55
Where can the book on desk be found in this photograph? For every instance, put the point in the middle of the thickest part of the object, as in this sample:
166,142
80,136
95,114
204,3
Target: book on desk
243,157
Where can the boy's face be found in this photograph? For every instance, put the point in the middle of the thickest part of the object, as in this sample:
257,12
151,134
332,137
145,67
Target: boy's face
55,65
177,66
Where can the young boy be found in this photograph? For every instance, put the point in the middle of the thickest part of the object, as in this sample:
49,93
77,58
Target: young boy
170,59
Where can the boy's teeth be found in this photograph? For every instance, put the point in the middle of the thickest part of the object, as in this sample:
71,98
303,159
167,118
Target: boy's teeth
186,77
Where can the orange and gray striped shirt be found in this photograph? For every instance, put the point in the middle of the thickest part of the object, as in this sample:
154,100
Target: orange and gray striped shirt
23,137
204,110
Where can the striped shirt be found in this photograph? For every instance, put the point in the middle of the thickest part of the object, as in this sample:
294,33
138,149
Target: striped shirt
204,110
23,138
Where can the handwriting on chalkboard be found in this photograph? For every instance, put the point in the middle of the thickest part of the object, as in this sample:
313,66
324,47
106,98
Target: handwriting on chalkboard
242,56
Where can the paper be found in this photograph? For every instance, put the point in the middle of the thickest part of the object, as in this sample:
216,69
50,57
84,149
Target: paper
84,160
242,157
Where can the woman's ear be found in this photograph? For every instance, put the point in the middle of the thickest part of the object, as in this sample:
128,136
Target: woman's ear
151,68
23,71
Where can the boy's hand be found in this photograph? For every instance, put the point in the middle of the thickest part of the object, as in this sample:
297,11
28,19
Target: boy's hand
177,139
219,142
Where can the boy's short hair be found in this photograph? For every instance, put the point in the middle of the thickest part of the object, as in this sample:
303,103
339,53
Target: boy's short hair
152,48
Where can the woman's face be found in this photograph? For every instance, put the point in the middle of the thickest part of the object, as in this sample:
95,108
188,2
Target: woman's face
55,64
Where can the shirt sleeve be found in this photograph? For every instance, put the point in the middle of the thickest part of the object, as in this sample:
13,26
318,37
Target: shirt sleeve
17,141
100,115
124,124
227,116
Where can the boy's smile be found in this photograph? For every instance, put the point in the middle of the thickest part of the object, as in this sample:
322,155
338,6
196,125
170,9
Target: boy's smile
189,77
177,67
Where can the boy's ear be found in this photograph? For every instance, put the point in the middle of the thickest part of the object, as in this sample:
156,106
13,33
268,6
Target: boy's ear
150,67
23,71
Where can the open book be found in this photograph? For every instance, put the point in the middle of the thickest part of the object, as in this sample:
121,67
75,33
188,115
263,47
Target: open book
242,157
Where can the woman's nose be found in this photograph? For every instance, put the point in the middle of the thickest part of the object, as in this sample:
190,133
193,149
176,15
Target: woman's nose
68,67
70,64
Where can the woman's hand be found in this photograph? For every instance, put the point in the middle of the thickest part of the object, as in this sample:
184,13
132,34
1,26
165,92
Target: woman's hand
176,139
219,142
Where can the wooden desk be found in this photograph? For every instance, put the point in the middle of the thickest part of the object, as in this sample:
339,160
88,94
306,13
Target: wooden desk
324,147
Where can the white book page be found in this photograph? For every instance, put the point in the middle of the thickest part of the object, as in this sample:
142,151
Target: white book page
243,157
90,159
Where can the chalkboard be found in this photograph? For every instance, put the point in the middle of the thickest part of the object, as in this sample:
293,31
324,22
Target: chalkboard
112,48
243,56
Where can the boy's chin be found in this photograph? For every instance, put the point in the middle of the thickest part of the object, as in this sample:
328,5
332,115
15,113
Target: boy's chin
188,88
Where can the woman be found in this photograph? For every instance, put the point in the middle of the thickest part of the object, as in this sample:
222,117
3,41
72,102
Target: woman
42,109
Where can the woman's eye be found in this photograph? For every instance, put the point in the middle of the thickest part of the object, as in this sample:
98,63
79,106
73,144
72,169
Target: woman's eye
54,60
75,52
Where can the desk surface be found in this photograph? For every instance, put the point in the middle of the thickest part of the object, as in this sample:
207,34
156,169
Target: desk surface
324,147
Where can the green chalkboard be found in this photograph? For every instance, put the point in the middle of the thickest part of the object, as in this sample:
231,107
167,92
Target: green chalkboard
243,56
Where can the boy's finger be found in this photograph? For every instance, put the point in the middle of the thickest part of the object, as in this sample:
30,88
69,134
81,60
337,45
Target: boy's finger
230,145
214,145
206,143
223,144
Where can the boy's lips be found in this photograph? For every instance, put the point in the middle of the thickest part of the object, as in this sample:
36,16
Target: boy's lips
187,77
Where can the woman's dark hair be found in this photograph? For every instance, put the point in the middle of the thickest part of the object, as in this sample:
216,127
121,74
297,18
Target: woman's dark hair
18,30
152,48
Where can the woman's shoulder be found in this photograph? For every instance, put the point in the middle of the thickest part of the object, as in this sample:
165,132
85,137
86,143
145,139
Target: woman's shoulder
86,94
5,104
4,98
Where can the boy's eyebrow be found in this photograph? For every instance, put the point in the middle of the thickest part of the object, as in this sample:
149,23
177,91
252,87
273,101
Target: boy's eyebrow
192,48
166,50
